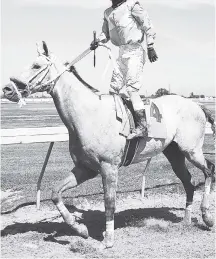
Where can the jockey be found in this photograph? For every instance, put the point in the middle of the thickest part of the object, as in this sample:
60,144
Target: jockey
126,24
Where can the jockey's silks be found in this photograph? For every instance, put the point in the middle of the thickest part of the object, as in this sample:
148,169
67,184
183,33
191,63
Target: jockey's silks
129,69
126,24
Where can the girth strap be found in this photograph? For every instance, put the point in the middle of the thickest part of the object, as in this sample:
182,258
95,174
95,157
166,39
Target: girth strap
133,144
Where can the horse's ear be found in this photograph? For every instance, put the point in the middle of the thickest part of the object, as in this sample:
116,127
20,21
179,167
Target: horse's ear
45,48
42,48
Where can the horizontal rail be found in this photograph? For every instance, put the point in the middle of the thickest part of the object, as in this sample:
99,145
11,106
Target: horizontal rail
44,134
33,135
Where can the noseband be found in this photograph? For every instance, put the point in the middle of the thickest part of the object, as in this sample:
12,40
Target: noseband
44,71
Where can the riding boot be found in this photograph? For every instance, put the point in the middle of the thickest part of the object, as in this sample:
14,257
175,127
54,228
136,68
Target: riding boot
141,129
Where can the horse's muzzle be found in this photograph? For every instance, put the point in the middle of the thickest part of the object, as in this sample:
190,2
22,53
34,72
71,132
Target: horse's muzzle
10,92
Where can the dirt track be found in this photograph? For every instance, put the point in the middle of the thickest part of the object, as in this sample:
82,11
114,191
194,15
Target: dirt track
150,228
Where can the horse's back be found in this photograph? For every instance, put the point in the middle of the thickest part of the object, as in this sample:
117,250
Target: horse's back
180,106
185,119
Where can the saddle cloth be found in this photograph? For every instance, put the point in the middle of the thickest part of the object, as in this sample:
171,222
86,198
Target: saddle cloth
155,123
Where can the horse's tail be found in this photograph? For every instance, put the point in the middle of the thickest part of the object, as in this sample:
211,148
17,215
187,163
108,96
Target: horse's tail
209,117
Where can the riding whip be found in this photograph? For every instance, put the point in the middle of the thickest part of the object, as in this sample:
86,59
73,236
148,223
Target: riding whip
85,53
94,36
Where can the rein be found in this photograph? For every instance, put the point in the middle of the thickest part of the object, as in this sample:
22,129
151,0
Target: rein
52,82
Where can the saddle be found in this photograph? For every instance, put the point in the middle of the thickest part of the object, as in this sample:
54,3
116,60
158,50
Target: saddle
125,114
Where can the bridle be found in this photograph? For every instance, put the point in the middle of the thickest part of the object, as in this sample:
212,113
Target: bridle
43,72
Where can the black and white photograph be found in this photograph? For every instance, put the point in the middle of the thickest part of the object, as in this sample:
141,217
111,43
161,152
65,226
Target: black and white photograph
108,129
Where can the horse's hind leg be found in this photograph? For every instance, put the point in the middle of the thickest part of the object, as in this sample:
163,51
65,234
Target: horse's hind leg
177,161
197,158
78,176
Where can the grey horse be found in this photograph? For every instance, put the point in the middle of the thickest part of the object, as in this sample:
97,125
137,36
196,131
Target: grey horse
95,145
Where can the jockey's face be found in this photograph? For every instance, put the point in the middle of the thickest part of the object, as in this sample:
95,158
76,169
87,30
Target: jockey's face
114,2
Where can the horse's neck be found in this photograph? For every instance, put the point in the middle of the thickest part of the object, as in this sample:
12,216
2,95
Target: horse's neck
74,102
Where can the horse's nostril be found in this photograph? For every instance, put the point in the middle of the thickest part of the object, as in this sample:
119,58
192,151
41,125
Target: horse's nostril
10,92
7,88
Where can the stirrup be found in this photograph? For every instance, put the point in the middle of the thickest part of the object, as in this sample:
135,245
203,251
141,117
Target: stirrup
138,133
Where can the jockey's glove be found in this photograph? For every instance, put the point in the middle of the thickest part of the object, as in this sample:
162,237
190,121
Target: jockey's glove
152,55
94,44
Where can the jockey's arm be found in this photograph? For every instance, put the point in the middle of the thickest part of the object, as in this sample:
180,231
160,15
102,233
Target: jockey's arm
143,20
104,36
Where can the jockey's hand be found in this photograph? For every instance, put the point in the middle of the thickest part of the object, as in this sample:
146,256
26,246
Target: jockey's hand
94,44
152,55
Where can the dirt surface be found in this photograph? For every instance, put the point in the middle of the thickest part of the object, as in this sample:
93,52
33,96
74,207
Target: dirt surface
148,228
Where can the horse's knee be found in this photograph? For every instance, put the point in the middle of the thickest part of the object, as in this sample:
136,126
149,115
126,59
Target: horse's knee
55,196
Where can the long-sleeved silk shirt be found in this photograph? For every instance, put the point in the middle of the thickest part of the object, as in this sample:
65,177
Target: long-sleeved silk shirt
128,23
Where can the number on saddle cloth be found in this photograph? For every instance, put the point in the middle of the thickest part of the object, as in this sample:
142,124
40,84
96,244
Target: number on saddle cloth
154,112
155,121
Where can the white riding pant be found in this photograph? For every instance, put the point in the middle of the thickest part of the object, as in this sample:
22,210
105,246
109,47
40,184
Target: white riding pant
129,71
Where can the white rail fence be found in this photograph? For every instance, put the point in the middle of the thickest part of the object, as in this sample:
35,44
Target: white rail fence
49,134
35,135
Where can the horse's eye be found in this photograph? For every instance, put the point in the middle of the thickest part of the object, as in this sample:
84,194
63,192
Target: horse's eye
36,66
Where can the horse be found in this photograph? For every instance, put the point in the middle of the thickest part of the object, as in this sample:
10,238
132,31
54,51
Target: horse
95,145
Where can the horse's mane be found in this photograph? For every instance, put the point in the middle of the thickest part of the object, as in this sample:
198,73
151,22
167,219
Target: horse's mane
73,70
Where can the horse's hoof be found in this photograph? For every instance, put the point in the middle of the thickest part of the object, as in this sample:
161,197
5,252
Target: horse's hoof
108,241
186,223
208,220
107,244
81,229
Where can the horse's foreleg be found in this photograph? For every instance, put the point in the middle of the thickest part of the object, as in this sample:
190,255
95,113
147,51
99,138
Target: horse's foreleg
109,177
177,161
78,176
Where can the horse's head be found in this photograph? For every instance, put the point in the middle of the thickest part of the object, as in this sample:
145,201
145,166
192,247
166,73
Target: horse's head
35,78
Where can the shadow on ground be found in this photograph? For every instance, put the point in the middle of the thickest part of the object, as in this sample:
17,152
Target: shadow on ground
161,188
95,222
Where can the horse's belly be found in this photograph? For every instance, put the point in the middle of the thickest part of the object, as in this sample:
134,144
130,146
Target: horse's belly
147,149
